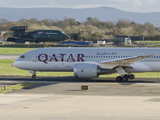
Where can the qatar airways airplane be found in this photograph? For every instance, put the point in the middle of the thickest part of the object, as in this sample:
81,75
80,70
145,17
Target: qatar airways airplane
91,62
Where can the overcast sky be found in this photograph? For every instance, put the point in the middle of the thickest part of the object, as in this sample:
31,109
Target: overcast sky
126,5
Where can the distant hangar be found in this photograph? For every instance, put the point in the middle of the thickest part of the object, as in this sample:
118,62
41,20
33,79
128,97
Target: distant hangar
124,40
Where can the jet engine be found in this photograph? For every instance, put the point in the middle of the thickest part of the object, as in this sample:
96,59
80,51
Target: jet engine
86,70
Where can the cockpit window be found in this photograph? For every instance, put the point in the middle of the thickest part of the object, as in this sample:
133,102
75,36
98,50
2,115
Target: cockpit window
22,56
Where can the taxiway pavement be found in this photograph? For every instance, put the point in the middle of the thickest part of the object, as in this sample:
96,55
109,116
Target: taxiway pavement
9,56
62,98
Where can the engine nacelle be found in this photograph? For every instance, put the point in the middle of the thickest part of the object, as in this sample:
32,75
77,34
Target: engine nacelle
86,70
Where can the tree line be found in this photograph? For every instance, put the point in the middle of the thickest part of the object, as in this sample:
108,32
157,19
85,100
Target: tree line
90,29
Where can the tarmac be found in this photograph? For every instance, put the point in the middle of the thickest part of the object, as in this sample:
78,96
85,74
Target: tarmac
9,56
61,98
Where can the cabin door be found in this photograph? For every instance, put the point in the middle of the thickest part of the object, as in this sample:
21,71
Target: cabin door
35,58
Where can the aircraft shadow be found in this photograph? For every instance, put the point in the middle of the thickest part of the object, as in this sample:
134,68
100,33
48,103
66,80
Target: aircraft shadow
75,80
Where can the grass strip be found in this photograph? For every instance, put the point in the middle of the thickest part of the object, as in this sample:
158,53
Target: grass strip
22,48
7,50
7,70
17,87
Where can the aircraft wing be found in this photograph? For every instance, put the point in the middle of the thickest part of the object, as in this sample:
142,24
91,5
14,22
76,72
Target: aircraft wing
123,61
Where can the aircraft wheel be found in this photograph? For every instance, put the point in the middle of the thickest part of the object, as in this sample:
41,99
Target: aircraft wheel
125,78
33,76
119,78
131,76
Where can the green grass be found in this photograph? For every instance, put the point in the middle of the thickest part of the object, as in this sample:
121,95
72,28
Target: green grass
149,43
138,75
7,70
7,50
17,87
22,48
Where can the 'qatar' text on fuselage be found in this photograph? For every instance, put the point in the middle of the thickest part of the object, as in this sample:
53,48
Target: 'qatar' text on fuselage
70,58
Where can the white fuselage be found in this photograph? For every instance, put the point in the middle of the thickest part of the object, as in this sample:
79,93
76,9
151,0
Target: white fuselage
64,59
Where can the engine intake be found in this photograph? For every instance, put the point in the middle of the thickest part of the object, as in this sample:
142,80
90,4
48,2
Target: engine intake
86,70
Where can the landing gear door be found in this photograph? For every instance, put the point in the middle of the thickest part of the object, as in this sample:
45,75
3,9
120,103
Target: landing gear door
35,58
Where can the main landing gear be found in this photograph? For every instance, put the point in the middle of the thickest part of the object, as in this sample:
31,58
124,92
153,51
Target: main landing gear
125,78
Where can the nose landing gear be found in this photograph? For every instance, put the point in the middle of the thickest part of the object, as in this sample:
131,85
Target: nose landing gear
34,74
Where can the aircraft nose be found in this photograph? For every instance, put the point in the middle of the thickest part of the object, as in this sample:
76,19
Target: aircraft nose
19,64
15,64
